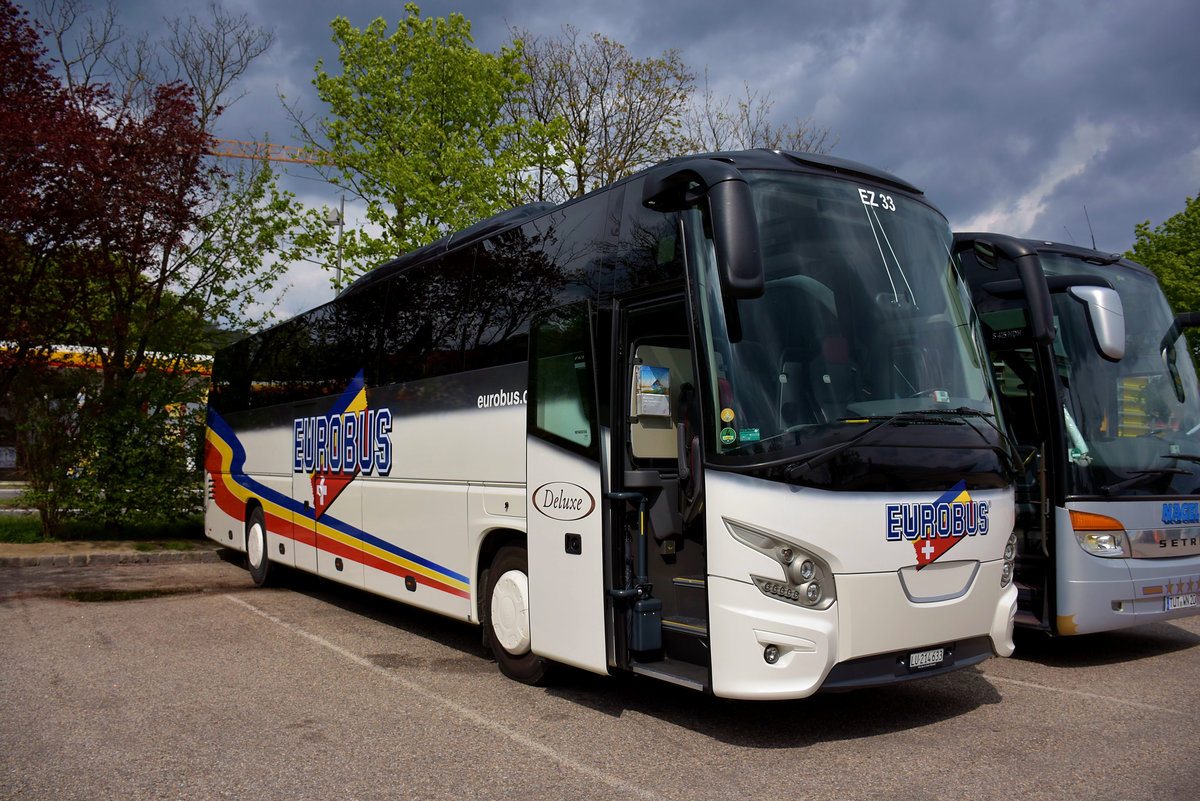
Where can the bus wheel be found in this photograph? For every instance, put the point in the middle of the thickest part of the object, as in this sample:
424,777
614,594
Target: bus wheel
506,626
256,547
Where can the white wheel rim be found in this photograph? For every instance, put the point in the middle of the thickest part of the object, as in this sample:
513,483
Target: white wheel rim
256,546
510,612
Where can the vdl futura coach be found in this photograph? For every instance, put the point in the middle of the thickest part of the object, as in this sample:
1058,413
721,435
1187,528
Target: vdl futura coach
1097,383
728,422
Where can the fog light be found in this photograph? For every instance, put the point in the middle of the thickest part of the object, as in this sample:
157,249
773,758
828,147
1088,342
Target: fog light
771,654
813,592
1006,574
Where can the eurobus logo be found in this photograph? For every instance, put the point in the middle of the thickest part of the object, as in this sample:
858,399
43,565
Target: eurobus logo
334,448
934,528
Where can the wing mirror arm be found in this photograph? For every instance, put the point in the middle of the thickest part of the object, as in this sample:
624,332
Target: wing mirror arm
676,187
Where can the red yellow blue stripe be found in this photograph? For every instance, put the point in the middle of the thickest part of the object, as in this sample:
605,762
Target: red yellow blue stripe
233,489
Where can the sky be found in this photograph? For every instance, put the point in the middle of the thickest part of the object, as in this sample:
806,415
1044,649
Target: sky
1065,120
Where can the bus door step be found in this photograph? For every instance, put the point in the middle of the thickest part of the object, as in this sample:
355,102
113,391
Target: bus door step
685,674
693,626
686,639
691,596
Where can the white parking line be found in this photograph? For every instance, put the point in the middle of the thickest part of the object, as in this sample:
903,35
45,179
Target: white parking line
1092,696
459,709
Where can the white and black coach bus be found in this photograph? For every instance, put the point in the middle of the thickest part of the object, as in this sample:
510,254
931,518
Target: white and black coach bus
728,423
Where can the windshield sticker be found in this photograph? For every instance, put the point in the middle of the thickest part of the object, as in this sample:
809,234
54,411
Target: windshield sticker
934,528
877,200
728,436
727,415
749,435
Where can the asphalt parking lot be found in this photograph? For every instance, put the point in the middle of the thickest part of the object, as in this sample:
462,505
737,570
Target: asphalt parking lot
200,685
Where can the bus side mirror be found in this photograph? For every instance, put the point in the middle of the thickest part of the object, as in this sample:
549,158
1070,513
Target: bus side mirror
1106,319
731,214
1182,320
990,248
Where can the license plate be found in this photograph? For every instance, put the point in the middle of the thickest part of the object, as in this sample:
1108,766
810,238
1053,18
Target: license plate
926,659
1179,602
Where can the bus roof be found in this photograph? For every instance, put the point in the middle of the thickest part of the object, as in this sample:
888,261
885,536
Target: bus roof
761,159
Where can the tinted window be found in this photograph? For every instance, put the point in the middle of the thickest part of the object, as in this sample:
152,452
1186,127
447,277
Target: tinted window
310,356
575,243
513,279
423,330
648,251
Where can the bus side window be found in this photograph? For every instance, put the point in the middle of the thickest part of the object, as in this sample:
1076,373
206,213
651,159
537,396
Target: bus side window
649,251
422,331
561,398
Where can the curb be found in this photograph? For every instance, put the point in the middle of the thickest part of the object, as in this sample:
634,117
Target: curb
111,558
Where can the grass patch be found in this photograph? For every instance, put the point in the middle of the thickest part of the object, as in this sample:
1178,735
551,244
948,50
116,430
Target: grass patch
20,528
181,534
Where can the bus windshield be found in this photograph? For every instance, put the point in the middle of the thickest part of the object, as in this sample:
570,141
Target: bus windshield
865,316
1133,426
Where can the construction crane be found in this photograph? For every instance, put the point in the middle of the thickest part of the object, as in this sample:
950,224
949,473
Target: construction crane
234,148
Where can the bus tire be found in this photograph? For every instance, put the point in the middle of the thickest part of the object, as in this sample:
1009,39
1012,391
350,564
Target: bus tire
256,547
506,621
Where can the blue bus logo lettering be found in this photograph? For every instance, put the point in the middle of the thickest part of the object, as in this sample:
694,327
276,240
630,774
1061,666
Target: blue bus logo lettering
935,527
1180,514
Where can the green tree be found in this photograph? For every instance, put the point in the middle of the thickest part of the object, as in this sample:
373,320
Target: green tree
418,128
1172,252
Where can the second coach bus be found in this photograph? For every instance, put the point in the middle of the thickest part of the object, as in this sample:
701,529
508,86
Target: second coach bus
728,423
1098,385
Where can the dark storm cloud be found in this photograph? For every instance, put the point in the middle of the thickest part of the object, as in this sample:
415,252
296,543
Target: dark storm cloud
1011,115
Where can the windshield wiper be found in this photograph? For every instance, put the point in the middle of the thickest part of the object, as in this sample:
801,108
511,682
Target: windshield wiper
793,471
1190,457
1010,448
1140,476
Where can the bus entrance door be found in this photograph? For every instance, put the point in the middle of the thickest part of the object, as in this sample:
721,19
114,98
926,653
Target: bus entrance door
565,536
661,598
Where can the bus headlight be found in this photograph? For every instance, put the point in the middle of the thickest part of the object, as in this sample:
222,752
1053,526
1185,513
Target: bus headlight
1099,535
807,571
807,580
1010,560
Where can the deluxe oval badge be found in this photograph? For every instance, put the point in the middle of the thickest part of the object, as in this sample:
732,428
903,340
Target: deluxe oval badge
562,500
